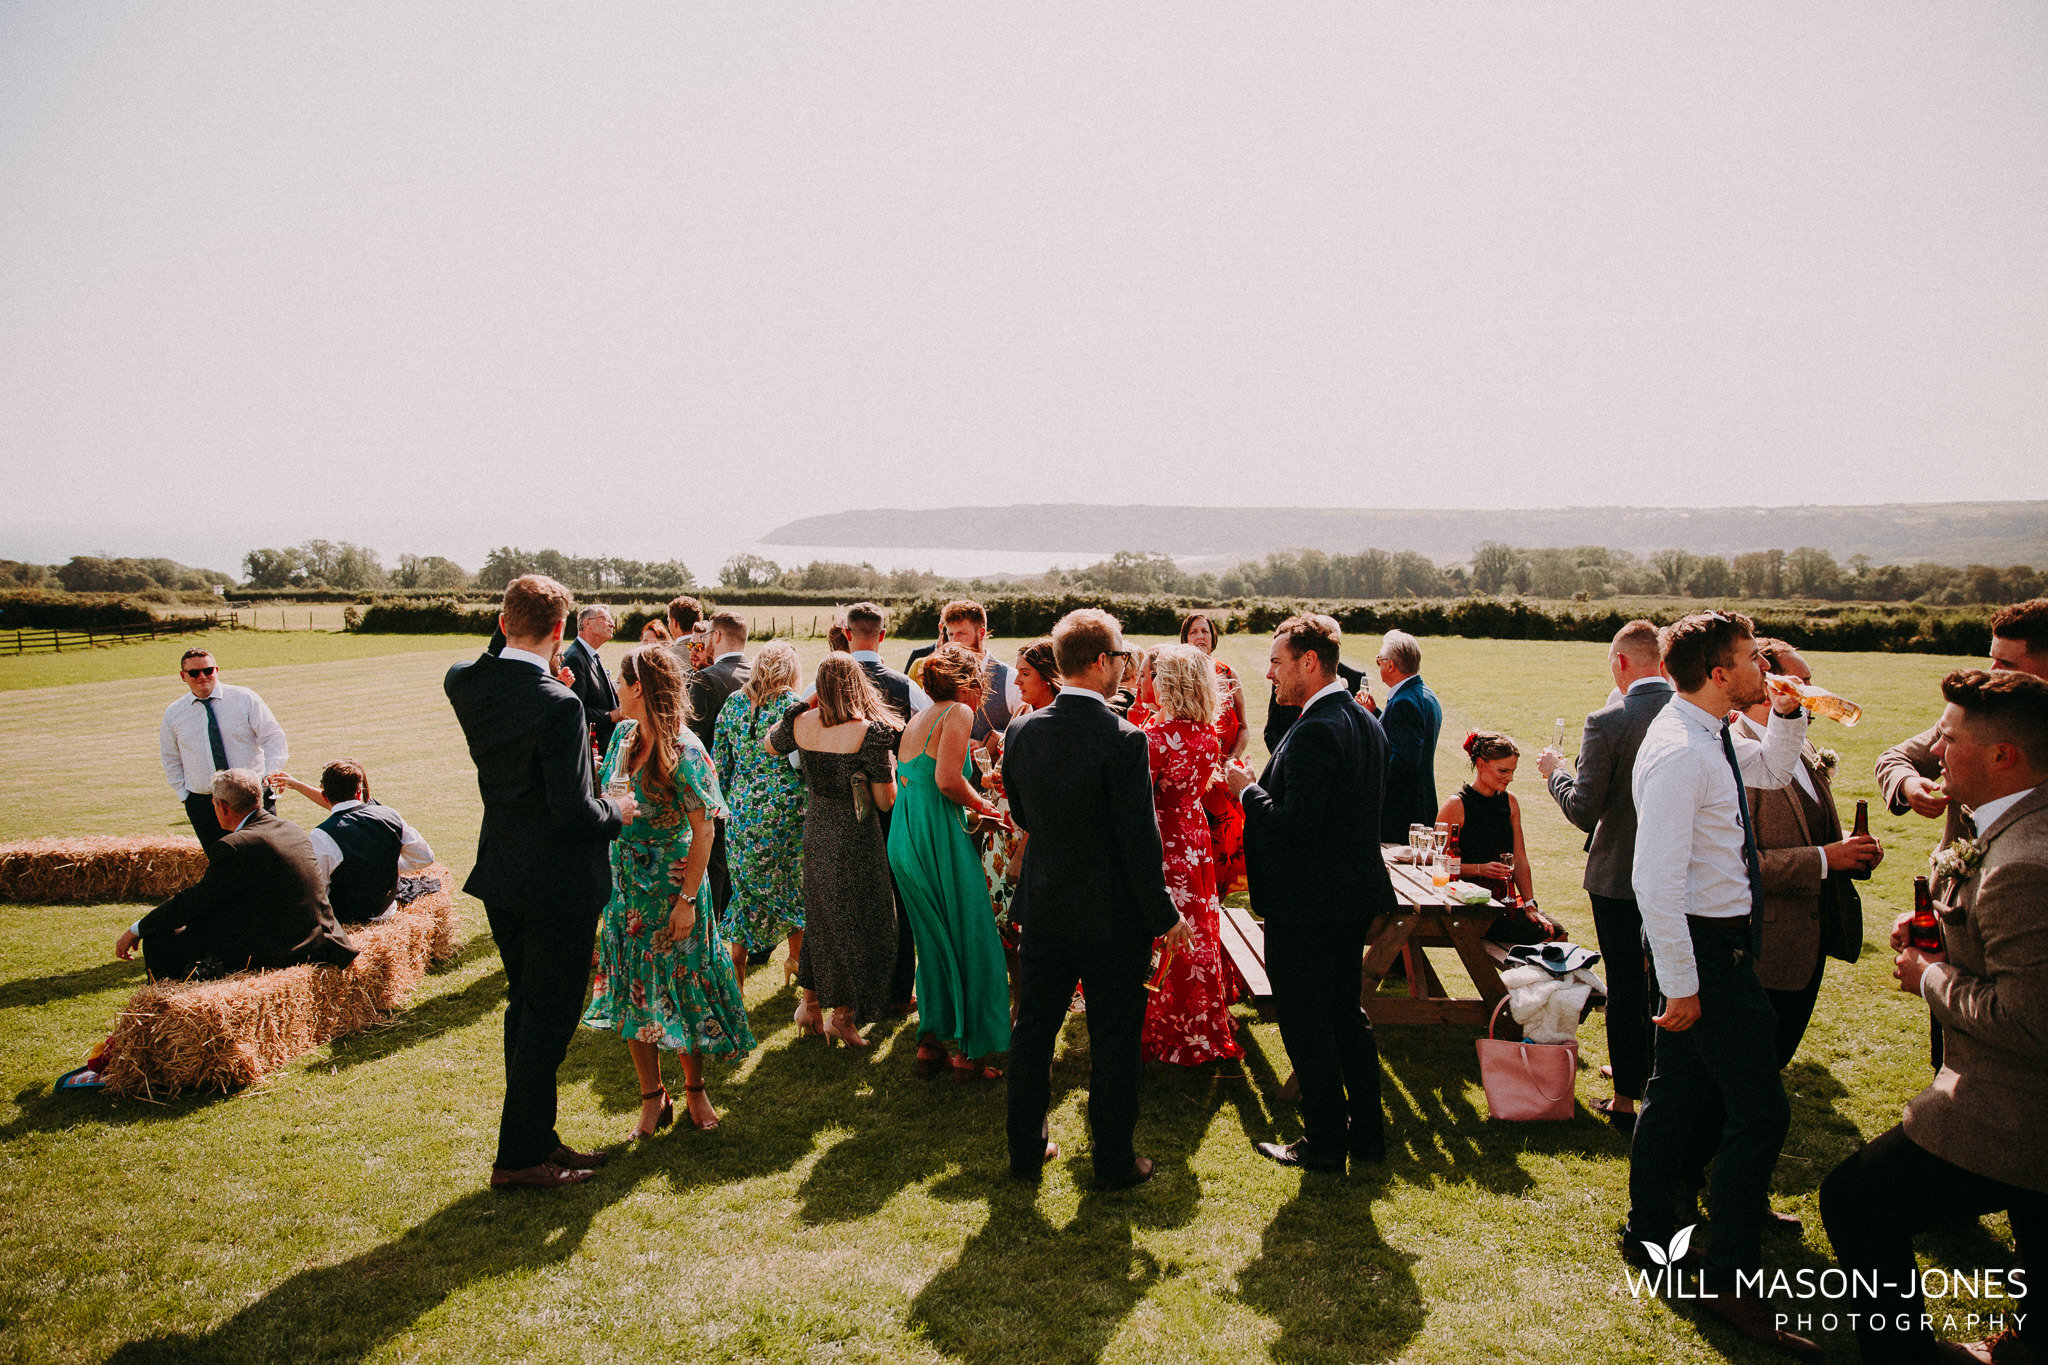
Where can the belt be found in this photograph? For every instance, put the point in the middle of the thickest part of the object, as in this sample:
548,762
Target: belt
1720,921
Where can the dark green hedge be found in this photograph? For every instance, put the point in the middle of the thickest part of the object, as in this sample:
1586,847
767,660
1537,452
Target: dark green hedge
1895,630
1024,615
36,609
428,616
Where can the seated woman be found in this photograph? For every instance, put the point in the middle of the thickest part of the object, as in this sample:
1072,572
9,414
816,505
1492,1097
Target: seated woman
1490,842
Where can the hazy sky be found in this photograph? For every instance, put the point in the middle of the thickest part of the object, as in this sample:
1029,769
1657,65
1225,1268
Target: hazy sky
652,279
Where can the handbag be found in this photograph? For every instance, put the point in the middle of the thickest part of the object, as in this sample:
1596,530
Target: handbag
1527,1080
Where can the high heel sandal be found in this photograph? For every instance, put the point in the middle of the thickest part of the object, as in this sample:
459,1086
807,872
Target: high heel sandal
968,1072
848,1035
666,1117
700,1127
815,1025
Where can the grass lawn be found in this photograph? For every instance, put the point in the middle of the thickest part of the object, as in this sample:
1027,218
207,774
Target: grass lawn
845,1211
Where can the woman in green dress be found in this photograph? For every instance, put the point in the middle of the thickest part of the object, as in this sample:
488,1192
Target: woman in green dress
963,990
764,838
664,973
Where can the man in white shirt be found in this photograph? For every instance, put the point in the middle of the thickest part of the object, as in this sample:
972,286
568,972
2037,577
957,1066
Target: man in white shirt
362,846
214,728
1698,884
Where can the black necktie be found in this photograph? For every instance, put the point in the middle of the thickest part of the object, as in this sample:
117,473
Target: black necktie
1751,862
213,739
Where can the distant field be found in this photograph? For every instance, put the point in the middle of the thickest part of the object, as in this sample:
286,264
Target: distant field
845,1211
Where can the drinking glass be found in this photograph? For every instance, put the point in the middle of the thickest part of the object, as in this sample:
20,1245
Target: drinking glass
1557,734
1416,843
1439,873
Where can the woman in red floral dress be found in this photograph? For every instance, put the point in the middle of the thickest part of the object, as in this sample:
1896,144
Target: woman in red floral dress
1226,816
1188,1021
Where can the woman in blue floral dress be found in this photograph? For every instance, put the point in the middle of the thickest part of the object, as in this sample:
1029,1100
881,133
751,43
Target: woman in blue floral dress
664,975
764,836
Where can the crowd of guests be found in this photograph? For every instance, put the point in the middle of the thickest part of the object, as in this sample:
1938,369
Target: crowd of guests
991,844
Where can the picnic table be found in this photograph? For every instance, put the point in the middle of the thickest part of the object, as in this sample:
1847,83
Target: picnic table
1426,918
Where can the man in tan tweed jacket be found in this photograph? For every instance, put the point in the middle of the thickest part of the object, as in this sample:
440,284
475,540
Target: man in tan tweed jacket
1976,1140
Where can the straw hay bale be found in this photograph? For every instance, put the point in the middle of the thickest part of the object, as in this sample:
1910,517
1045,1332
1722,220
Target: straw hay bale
87,869
186,1035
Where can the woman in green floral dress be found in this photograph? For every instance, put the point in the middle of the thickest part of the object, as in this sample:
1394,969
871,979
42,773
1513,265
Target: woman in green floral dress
764,838
664,975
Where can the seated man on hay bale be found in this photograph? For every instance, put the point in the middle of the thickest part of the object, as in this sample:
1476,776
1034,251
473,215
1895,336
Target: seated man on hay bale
260,903
362,846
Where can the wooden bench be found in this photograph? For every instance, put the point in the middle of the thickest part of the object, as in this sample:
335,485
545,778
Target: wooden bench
1244,943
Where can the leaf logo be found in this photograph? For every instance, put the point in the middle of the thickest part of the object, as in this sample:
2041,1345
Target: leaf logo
1676,1251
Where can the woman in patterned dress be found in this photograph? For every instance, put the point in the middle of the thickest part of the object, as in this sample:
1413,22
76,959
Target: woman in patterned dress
1187,1020
664,975
764,838
1233,733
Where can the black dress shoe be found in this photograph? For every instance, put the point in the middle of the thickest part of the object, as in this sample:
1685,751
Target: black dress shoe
1754,1318
1298,1154
546,1176
1140,1172
1632,1251
1374,1152
569,1159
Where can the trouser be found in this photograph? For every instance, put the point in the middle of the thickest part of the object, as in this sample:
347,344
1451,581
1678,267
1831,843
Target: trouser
718,872
1619,925
179,957
199,810
1316,975
1730,1053
903,976
1792,1011
546,951
1112,973
1877,1199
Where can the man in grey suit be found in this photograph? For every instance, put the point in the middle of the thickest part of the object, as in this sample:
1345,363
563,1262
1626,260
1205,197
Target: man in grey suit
1975,1141
1598,799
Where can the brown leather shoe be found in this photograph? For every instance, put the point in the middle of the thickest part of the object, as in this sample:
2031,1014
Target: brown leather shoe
1140,1172
546,1176
1757,1320
2004,1349
569,1159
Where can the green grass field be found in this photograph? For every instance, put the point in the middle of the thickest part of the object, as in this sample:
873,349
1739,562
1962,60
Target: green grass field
845,1211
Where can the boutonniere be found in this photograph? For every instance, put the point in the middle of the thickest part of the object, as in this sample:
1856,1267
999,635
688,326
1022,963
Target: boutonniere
1957,861
1829,760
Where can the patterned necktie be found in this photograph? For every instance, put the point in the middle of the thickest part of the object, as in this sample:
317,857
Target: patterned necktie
213,737
1751,861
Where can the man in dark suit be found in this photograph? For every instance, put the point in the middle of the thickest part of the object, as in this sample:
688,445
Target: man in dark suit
590,682
541,867
1411,720
260,903
1599,799
1317,884
1091,899
1280,717
710,686
1975,1141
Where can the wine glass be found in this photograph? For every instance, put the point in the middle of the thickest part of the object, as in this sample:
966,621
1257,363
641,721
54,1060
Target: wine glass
1417,841
1557,734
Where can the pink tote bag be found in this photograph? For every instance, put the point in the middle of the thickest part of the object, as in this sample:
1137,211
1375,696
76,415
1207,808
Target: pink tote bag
1527,1080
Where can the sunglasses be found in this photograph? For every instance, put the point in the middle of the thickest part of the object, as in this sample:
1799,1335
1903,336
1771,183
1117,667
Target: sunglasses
200,672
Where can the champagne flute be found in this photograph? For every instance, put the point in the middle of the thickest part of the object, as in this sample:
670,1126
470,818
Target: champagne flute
1557,734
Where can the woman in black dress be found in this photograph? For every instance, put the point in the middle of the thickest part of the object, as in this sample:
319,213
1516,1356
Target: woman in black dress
847,742
1491,834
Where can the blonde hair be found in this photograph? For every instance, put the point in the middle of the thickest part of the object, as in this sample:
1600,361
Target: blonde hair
775,670
1184,680
844,694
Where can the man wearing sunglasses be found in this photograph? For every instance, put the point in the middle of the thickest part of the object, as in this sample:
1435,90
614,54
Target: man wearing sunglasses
216,727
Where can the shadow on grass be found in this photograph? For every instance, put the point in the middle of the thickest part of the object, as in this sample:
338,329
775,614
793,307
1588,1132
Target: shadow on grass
1327,1277
347,1311
479,946
45,1111
44,990
421,1023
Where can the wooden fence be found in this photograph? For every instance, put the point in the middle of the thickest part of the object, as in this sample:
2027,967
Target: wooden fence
58,641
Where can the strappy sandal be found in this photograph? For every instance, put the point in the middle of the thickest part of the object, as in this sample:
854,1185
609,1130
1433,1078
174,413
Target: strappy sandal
967,1073
667,1116
700,1127
1623,1119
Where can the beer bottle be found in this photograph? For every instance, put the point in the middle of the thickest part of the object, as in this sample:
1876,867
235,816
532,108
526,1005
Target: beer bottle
1453,862
1925,931
1861,831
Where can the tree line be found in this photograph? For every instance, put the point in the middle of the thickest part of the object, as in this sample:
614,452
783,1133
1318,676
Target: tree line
1496,568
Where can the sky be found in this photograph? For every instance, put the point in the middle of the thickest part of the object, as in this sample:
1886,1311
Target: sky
650,280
